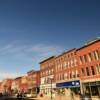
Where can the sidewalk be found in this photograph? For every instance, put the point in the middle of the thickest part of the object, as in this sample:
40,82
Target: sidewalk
56,98
43,98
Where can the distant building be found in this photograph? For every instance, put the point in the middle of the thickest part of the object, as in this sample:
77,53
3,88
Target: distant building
33,80
6,85
16,84
0,87
47,70
24,83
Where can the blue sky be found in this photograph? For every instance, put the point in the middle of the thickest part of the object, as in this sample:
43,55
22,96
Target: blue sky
32,30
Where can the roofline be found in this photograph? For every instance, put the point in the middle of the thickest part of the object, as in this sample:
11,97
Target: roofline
66,52
32,71
18,78
89,43
47,59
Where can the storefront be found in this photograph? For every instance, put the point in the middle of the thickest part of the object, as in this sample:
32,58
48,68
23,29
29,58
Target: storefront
46,88
91,88
72,85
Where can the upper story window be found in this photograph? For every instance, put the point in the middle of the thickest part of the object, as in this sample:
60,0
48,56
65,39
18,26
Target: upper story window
65,64
47,72
69,75
61,65
68,55
85,59
80,59
98,68
77,73
90,57
82,71
96,55
65,75
71,54
72,63
87,71
92,69
75,62
68,64
73,74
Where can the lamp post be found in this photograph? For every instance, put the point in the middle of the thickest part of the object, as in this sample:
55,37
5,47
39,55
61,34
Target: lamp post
51,78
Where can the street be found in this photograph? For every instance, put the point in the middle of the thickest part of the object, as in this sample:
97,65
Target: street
11,98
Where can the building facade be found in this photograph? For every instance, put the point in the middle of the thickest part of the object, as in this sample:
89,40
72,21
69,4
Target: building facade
89,68
33,80
0,87
6,86
67,71
47,70
16,85
24,84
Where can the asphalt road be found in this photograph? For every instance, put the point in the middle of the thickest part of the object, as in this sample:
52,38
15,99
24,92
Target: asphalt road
10,98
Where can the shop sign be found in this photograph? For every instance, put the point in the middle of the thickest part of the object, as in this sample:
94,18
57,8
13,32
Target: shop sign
69,84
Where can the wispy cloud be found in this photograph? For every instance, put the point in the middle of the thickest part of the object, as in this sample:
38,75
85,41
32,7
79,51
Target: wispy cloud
24,55
29,50
4,75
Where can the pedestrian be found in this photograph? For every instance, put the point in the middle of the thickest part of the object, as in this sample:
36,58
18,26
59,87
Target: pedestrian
18,95
41,94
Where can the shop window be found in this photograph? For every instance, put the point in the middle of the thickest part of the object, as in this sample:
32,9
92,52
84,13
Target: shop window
90,57
98,68
94,90
87,71
85,59
92,69
87,91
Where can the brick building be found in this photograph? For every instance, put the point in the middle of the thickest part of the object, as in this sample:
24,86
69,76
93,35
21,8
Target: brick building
6,85
16,84
47,69
33,80
0,87
89,67
24,83
67,71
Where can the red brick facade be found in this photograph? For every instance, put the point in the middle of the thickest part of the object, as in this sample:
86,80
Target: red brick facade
66,66
47,68
89,60
33,78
